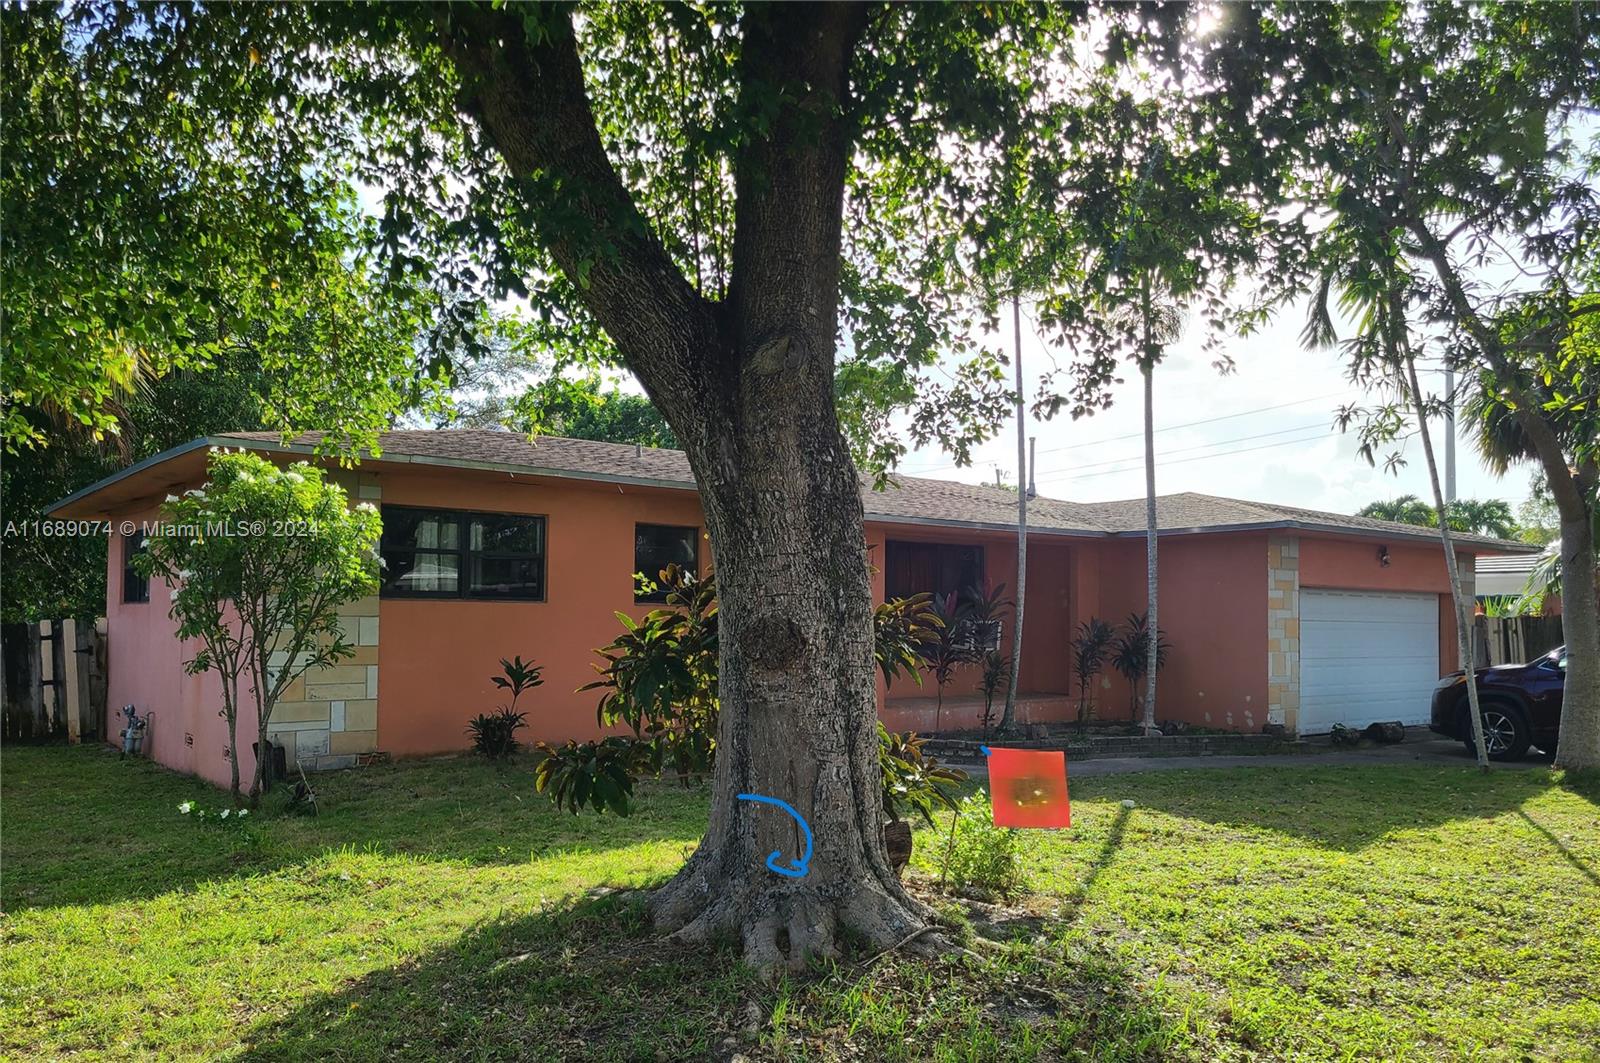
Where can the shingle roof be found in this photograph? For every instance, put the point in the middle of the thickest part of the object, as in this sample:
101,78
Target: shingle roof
909,499
1195,512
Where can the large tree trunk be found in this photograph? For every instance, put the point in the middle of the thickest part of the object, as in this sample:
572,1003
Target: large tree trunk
747,386
1579,744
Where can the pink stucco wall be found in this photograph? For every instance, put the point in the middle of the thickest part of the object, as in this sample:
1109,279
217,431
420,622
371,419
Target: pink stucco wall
145,667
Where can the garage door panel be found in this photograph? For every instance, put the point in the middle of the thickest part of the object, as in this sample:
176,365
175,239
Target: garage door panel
1366,657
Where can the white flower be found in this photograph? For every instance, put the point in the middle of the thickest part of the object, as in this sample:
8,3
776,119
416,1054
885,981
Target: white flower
294,477
225,813
172,498
367,506
244,812
194,492
184,573
213,450
174,594
186,808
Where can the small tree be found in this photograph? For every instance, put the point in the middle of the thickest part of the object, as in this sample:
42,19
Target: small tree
260,559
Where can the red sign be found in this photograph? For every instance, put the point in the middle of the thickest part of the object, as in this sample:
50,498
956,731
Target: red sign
1028,788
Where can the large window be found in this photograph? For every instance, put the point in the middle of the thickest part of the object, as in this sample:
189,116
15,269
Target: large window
942,569
441,553
135,588
932,568
655,546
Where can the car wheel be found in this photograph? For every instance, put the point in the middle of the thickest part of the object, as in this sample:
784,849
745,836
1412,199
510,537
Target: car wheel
1505,735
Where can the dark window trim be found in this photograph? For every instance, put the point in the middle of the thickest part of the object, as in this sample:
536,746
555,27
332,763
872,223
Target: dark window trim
694,537
129,576
464,554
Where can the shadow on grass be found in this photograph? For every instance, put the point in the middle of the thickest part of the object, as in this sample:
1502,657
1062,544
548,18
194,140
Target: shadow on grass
1583,866
1343,807
83,827
589,980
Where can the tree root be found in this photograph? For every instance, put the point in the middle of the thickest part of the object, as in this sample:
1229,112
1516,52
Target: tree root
782,927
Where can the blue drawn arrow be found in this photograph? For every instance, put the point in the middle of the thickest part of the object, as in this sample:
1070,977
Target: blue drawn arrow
794,868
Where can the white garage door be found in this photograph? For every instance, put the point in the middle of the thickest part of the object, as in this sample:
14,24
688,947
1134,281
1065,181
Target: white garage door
1366,657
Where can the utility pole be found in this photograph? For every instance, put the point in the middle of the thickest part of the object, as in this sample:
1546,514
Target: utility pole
1008,721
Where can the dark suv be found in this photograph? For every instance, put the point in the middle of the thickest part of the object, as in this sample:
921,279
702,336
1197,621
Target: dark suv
1521,705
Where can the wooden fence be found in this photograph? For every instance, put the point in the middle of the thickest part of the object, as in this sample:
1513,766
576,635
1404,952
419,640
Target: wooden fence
55,681
1514,639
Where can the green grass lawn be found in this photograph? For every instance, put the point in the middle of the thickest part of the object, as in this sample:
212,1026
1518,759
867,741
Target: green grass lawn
443,910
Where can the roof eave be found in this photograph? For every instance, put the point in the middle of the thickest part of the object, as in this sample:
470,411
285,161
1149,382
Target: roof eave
132,470
1502,546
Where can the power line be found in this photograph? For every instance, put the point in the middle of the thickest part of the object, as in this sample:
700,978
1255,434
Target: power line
1161,456
1203,457
1137,435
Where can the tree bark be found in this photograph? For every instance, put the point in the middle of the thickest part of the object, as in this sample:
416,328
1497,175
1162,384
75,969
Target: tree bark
1579,743
747,386
1457,598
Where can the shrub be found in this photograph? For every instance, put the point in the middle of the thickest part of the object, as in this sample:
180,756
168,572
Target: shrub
494,734
983,856
996,674
913,779
659,679
1089,648
598,774
1130,655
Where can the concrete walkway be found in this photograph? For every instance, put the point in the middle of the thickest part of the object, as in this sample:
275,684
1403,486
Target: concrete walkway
1414,750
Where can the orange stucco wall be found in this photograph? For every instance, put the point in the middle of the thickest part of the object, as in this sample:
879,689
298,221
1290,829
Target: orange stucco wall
437,659
1213,608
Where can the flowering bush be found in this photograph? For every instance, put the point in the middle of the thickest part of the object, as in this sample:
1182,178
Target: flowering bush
259,560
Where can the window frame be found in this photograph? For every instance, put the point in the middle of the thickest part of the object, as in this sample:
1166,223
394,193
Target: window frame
131,545
660,596
464,556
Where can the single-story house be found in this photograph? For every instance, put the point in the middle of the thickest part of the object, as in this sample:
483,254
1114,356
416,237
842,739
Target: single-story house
1275,614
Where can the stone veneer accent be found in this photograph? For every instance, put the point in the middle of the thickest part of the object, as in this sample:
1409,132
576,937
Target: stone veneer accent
1283,631
328,717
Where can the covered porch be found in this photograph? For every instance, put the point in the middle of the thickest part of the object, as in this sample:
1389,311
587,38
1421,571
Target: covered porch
1062,589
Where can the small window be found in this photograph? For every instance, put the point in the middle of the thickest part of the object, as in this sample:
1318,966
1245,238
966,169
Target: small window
437,553
655,546
135,588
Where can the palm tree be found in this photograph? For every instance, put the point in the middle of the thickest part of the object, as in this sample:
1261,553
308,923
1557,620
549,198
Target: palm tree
1407,509
1160,324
